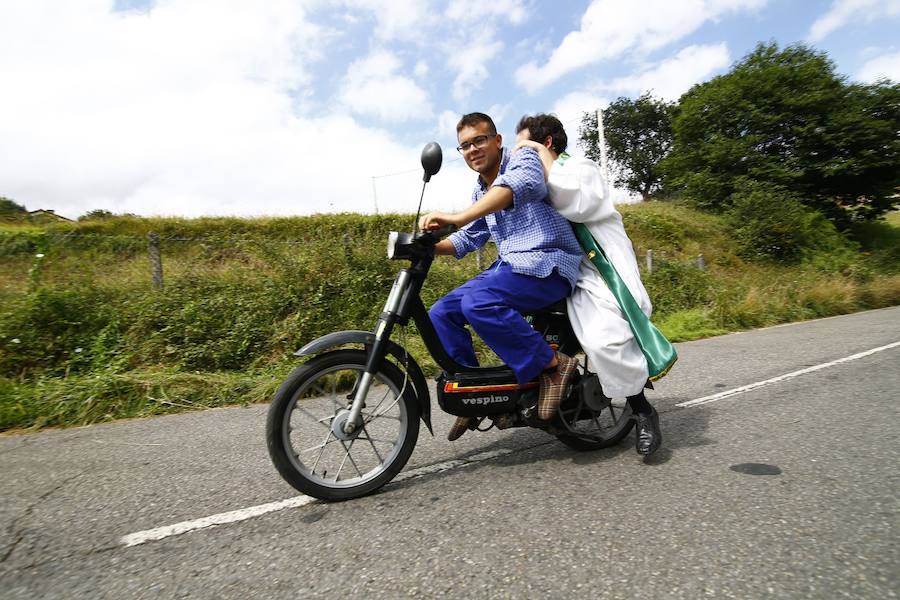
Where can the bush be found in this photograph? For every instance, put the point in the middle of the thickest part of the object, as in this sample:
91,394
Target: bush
676,285
880,292
880,240
19,242
52,327
772,224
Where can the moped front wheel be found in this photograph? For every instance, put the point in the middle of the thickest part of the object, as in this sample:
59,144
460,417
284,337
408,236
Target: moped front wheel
304,429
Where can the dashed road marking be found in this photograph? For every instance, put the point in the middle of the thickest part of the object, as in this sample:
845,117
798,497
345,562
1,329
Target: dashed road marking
759,384
151,535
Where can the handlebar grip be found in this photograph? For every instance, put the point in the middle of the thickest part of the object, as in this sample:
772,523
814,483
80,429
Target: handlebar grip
444,231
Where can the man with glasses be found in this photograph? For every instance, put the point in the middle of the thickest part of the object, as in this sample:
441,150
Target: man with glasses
538,265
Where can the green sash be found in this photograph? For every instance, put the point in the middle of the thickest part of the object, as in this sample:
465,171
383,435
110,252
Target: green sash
659,352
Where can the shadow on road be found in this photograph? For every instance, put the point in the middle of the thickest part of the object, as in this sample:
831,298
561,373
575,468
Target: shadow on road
681,429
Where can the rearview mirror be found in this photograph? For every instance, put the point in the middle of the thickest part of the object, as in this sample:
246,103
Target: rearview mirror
431,160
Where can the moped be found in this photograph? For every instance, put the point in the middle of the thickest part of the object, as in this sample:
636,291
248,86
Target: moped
345,422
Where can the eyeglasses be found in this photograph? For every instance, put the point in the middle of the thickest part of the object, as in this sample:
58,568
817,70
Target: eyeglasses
479,141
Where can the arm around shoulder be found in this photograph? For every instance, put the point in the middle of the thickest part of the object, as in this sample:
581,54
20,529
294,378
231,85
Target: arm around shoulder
524,177
579,192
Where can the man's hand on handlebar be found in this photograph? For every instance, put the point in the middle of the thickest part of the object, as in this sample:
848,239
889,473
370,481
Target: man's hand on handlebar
436,220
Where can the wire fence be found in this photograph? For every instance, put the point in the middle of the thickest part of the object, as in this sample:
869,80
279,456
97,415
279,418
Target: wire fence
154,257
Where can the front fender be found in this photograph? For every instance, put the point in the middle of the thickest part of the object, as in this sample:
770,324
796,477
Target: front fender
367,338
338,338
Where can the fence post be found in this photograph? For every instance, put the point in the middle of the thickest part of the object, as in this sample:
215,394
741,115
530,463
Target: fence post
348,251
155,259
649,261
479,258
701,262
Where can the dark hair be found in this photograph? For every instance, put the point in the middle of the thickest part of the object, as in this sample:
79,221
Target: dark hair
473,119
542,126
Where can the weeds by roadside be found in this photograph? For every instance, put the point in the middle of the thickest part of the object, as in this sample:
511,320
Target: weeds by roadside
84,337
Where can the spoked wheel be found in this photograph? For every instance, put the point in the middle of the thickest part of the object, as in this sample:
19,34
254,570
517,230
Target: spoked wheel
593,421
305,436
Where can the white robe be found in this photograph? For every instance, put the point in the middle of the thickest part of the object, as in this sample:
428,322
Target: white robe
580,194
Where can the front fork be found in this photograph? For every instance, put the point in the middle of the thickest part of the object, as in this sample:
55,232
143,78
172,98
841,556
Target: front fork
377,353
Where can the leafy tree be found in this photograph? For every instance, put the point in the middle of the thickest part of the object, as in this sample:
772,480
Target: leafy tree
638,135
98,214
784,117
11,211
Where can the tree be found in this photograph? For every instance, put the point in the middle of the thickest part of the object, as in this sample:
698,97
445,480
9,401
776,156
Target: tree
638,135
784,117
11,211
98,214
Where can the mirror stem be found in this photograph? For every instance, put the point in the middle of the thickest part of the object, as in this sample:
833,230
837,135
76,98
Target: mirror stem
419,210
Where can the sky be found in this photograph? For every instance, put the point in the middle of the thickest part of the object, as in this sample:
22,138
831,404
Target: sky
293,107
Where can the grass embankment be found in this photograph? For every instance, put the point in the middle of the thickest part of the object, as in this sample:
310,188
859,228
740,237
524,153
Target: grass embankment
84,337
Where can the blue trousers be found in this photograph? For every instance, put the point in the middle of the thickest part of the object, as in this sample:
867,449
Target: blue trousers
492,303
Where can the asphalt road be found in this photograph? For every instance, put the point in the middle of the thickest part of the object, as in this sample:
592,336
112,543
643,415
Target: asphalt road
788,490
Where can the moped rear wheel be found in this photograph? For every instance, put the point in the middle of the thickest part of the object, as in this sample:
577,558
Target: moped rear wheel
594,421
304,430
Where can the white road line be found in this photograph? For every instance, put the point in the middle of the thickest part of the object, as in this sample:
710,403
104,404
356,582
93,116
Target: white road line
759,384
149,535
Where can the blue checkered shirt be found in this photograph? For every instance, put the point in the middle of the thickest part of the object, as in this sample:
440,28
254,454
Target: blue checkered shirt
530,235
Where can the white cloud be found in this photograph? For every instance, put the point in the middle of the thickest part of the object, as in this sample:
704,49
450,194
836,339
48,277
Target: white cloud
498,113
397,19
142,113
570,108
844,11
447,124
674,76
474,43
373,87
421,69
667,79
473,11
470,62
609,28
887,65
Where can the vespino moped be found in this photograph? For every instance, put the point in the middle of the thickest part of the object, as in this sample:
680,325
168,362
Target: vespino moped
345,423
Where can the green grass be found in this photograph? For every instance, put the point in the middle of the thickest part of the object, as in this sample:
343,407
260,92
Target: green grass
689,324
84,337
106,396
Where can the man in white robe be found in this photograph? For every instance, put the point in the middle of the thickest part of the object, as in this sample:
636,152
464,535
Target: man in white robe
580,193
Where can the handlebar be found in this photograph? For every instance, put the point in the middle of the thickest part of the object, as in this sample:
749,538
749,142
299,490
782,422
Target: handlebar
405,246
439,234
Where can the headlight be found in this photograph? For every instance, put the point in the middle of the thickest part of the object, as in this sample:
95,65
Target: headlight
392,243
399,245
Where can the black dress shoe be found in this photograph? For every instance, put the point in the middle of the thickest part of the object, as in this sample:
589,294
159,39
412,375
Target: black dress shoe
647,438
